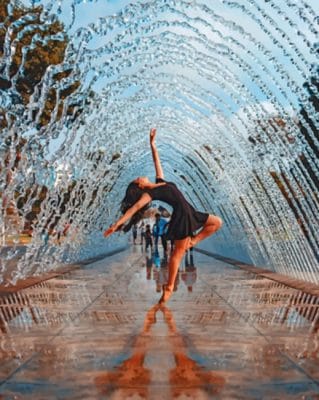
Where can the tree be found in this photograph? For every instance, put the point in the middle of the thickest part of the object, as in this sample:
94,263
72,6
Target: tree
49,42
28,47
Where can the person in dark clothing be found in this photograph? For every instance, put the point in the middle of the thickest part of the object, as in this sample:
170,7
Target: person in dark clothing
142,232
148,237
134,231
185,221
159,231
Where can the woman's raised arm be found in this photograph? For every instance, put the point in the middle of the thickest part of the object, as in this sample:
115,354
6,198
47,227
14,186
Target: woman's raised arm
156,159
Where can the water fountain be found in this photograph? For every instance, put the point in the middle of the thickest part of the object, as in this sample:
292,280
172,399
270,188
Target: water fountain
231,86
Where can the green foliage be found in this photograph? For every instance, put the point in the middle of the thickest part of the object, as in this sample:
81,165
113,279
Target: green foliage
49,42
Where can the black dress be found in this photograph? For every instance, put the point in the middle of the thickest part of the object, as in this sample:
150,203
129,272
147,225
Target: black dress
185,220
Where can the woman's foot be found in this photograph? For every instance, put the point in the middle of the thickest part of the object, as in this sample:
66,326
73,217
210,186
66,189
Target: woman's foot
167,292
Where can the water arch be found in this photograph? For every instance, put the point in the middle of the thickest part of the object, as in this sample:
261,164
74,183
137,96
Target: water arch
231,87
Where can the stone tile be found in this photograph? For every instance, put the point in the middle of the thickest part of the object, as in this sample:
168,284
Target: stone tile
225,334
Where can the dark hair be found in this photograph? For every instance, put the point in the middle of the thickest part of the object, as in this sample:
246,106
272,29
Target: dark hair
132,195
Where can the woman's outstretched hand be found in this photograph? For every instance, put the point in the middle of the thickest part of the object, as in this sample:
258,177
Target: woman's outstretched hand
152,135
110,230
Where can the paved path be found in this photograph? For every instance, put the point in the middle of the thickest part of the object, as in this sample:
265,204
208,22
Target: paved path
96,333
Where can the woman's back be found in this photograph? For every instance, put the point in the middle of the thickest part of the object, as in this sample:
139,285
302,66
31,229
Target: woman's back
169,193
185,220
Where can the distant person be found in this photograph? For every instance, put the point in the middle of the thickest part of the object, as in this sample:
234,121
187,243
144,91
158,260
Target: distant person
159,231
185,220
134,231
148,237
171,240
142,232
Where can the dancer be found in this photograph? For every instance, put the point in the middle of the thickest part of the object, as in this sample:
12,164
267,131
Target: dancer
184,223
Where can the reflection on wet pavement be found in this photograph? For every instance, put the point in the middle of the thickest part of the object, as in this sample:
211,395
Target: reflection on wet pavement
97,333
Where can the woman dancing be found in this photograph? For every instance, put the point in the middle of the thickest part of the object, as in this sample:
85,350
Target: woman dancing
185,220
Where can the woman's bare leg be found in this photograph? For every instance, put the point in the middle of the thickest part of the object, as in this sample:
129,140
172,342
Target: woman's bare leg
176,257
211,226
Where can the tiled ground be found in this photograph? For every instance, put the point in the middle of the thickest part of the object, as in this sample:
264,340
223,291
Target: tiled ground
97,333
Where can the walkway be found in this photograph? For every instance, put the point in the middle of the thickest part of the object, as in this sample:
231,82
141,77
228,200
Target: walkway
94,333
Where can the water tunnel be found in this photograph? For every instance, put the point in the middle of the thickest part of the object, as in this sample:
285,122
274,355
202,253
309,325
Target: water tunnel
232,88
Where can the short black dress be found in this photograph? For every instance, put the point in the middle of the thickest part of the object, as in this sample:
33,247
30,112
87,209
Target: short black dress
185,220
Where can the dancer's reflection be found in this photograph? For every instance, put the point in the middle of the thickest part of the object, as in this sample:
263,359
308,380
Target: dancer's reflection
189,275
188,376
131,378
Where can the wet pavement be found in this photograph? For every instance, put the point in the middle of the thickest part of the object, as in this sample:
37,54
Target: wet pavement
97,333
